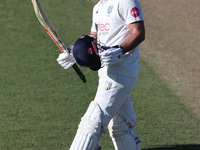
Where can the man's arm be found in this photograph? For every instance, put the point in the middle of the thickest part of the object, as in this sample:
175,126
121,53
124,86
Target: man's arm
137,36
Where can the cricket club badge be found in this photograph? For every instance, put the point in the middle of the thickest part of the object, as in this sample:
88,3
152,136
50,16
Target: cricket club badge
108,85
110,8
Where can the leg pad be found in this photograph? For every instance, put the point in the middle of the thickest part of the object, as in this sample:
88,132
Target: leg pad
90,129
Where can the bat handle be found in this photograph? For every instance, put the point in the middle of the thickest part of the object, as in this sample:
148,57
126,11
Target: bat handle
80,74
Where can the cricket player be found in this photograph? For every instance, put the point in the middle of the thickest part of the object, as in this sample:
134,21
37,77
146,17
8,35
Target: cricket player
117,26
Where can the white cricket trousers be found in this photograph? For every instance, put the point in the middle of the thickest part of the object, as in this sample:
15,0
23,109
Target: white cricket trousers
112,106
113,97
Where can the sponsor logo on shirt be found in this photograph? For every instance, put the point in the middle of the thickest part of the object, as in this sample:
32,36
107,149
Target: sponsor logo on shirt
103,26
135,12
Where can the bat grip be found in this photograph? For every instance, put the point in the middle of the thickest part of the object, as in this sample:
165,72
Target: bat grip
80,74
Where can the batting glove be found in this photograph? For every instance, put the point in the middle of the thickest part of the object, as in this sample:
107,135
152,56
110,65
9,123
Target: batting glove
111,56
66,60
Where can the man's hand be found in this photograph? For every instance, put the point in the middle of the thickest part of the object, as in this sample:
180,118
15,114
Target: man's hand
66,60
111,56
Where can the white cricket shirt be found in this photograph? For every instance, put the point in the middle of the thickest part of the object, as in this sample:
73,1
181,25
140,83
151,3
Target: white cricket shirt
110,20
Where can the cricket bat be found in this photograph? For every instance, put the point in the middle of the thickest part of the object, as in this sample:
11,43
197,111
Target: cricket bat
45,22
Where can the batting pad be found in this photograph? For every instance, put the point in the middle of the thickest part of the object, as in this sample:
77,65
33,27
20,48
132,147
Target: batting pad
90,129
123,135
126,142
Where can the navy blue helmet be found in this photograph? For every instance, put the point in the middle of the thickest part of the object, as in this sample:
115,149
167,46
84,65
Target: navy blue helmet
86,54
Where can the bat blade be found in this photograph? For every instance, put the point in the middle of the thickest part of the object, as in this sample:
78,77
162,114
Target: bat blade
45,22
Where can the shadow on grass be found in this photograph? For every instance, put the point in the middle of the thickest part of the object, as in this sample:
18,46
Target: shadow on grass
177,147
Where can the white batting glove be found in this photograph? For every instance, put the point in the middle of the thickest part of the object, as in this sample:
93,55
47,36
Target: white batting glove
66,60
111,56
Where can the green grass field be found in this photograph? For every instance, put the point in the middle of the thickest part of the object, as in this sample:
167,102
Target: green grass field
41,104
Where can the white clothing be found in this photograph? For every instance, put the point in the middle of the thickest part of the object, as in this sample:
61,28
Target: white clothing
112,104
110,21
112,93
